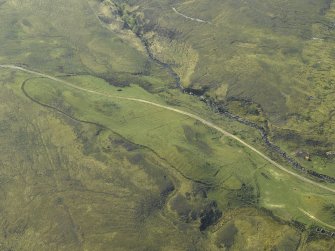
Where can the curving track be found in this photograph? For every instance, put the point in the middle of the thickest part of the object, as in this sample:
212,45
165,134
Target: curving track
190,115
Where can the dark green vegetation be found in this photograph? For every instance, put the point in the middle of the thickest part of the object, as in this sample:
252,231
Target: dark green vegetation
80,171
276,54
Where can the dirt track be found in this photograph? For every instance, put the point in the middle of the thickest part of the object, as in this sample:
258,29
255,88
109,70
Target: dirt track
205,122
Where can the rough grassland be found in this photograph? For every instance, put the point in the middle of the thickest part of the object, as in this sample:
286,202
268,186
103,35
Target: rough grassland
84,172
277,54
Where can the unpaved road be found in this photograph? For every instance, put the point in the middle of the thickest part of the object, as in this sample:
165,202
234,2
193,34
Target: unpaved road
190,18
190,115
315,219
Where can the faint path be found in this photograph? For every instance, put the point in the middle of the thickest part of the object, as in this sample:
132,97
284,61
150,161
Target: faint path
190,18
316,219
190,115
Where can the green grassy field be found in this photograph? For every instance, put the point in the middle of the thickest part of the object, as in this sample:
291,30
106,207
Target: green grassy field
277,54
81,171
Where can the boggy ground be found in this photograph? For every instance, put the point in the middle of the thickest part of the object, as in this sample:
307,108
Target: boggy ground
86,172
267,61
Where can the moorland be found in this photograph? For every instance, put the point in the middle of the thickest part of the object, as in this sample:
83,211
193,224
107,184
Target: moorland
145,125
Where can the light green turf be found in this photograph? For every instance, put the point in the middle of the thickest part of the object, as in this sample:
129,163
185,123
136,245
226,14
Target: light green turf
80,171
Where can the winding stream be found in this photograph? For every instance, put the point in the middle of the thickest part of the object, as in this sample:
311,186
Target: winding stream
188,114
221,110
